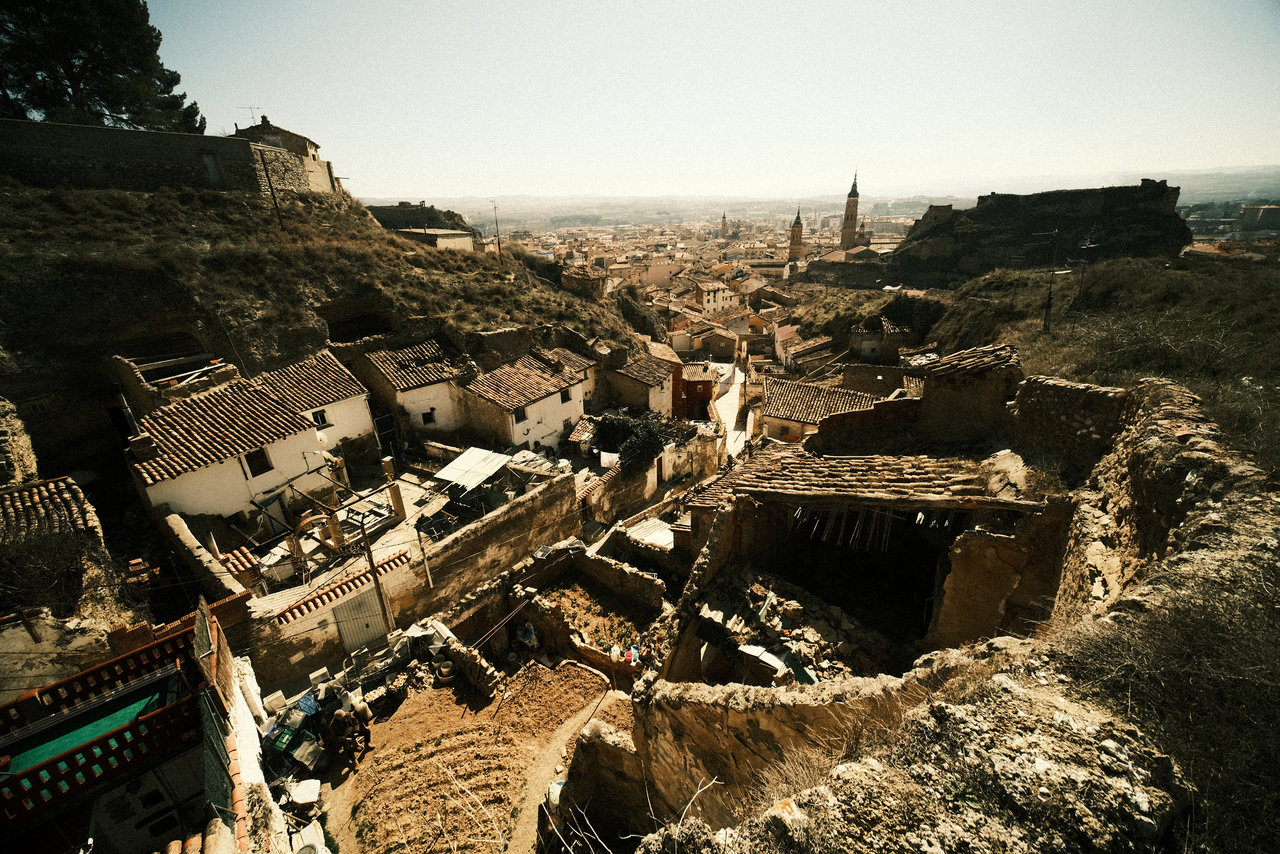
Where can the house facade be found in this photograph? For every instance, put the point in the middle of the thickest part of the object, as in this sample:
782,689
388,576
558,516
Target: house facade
532,402
417,380
322,390
234,450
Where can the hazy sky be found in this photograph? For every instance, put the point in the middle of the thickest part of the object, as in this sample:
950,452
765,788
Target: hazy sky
440,99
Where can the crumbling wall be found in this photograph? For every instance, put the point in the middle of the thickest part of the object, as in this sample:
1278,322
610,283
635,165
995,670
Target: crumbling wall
17,457
1167,460
1001,582
688,734
1073,423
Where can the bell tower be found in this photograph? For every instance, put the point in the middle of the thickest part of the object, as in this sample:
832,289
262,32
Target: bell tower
849,230
796,249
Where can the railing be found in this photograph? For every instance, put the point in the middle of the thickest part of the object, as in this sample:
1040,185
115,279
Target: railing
141,742
76,690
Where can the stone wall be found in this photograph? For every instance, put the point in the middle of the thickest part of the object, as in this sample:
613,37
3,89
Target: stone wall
58,155
1072,423
1001,583
1167,463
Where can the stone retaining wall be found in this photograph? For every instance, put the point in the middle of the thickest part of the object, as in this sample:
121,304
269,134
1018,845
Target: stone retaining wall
1073,423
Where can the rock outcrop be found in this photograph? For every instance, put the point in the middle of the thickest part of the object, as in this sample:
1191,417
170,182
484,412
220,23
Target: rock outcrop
1043,229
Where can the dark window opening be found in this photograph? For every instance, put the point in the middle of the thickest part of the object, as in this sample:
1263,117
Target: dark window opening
429,417
258,462
320,418
521,415
566,395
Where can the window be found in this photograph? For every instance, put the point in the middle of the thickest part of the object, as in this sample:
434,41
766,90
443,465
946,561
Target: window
521,415
258,462
320,418
566,395
429,417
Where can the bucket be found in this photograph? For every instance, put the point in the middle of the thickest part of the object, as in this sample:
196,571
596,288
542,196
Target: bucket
445,672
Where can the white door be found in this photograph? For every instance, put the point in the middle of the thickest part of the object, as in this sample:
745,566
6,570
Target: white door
360,620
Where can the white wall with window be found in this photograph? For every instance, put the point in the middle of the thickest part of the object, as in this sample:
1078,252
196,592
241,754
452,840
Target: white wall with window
346,419
232,486
432,407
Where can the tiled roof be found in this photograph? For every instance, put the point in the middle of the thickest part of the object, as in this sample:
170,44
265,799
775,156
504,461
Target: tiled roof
798,347
787,470
525,380
913,385
331,593
416,366
646,369
700,373
571,360
663,351
891,328
584,430
808,403
54,506
312,383
792,471
213,426
978,360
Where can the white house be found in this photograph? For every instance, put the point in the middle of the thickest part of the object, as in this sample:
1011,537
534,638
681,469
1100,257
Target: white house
533,401
417,379
234,449
325,392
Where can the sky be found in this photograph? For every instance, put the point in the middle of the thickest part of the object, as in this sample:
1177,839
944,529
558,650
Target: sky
425,100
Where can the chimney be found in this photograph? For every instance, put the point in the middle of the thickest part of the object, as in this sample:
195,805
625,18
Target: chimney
619,356
143,447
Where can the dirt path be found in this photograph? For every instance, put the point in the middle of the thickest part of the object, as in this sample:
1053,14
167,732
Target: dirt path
448,768
542,771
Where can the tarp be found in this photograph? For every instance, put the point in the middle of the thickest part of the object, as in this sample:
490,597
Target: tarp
474,467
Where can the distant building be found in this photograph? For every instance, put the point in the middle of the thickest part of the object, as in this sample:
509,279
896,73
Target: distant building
795,249
319,172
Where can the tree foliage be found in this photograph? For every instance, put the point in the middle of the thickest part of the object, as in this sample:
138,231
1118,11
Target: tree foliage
89,62
636,440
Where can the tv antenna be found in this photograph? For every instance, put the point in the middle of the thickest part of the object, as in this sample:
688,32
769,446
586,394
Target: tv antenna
253,113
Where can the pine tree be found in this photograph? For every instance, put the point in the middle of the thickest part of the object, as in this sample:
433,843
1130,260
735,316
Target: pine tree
89,62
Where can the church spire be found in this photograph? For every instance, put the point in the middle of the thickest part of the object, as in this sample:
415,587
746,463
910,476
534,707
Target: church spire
797,222
853,193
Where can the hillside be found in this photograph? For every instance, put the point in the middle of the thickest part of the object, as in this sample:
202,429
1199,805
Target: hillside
85,274
1208,324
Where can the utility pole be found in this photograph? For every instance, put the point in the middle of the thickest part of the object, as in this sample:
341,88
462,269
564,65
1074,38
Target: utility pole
1053,266
496,232
377,582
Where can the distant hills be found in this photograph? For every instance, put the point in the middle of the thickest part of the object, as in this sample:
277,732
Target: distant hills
538,212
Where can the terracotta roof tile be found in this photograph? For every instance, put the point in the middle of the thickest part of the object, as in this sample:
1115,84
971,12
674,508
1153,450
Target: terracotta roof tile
331,593
647,369
413,367
700,373
540,374
787,470
978,360
312,383
55,506
213,426
808,403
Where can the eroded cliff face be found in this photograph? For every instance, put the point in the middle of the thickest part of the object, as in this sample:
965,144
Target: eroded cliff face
1015,745
1042,229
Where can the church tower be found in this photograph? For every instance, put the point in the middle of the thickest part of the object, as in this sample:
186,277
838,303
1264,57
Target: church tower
849,230
796,249
724,226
